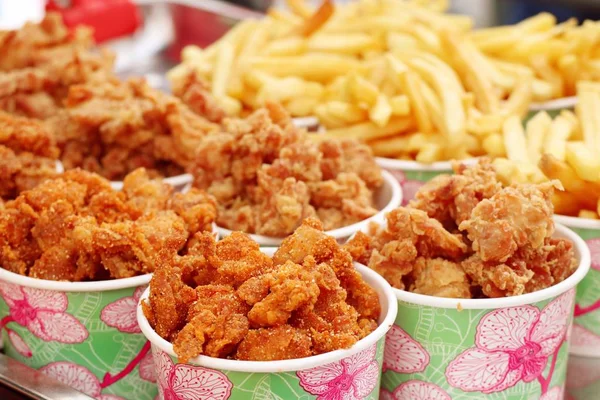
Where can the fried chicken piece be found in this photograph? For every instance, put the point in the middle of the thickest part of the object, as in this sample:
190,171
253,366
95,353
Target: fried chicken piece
216,324
24,171
310,240
409,233
280,343
440,278
514,217
349,155
145,193
197,209
26,135
240,259
194,92
199,263
169,301
288,288
451,198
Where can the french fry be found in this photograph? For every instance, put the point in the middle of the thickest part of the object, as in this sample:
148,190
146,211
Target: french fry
494,145
430,153
315,67
381,111
390,147
223,65
353,43
362,91
411,85
583,161
315,21
400,105
514,140
537,128
556,139
299,8
369,131
566,203
588,214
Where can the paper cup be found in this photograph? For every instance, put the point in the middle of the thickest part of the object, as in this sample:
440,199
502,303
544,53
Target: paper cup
508,348
412,175
583,378
84,334
387,197
179,182
586,326
353,373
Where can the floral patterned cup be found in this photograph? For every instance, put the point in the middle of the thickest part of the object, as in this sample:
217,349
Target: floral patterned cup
586,326
512,348
388,197
412,175
583,378
352,374
84,334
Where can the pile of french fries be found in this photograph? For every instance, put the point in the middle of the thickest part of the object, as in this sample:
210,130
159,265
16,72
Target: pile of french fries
566,148
413,82
560,55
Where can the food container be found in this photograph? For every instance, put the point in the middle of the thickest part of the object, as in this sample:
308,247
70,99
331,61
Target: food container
353,373
84,334
387,197
412,175
552,107
583,378
586,326
507,348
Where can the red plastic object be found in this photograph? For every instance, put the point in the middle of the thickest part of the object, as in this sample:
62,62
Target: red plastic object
109,18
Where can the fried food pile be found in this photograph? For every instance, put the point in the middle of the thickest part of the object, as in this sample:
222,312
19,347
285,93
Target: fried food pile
114,127
39,62
465,236
77,228
227,299
268,176
27,155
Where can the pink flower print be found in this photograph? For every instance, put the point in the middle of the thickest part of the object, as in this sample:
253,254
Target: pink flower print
512,345
584,337
556,393
109,397
594,245
416,390
147,371
43,313
187,382
402,353
352,378
121,314
74,375
18,343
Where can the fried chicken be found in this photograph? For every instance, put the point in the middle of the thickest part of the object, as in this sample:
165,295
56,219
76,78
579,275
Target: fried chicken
451,198
77,228
196,94
24,171
393,250
268,176
249,306
441,278
114,127
25,135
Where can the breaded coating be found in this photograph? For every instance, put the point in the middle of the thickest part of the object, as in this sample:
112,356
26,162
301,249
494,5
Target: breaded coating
77,228
280,343
25,135
514,217
441,278
268,176
24,171
247,307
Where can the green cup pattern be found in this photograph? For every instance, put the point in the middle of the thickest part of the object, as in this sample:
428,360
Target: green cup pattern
513,353
352,378
88,340
586,328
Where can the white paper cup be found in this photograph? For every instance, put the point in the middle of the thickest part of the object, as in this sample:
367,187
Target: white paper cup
586,326
470,348
412,175
179,182
60,169
357,370
387,197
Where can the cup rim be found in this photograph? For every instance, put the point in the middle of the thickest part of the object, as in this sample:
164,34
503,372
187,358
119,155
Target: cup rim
554,104
375,281
58,165
576,222
175,181
581,250
93,286
345,231
393,164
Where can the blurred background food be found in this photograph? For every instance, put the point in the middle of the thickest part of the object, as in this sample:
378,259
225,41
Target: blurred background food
412,80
